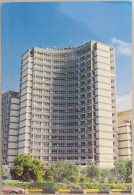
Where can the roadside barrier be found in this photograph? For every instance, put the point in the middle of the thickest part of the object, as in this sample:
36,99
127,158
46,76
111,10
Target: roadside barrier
126,191
64,191
91,191
50,191
120,191
36,191
101,191
78,191
116,191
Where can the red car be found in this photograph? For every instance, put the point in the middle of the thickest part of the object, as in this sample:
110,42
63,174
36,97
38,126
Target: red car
13,190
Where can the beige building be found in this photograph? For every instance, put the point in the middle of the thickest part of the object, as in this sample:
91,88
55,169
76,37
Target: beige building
68,104
10,122
125,134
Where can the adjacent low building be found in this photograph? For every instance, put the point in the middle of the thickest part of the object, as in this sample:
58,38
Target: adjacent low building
10,122
124,120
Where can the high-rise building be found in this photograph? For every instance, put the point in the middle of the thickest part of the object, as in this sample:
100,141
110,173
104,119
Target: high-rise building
124,120
68,104
10,123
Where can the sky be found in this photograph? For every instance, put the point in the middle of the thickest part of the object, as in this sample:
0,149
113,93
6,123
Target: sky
62,24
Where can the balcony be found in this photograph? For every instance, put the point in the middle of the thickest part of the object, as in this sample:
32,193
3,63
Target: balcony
58,147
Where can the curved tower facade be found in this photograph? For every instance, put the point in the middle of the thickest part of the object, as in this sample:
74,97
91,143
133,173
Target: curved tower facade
68,104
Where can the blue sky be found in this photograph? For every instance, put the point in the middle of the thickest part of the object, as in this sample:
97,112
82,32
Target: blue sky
61,24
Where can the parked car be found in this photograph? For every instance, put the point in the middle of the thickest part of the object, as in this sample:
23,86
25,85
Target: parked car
13,190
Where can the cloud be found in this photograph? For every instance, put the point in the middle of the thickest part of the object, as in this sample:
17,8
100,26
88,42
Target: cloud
122,47
124,102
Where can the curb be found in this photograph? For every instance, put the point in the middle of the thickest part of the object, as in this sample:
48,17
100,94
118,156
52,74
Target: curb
64,191
89,191
103,191
78,191
36,191
50,191
126,191
120,191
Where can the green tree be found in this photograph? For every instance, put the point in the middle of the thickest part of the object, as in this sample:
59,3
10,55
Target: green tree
92,171
123,168
120,168
39,172
25,169
128,164
62,171
104,173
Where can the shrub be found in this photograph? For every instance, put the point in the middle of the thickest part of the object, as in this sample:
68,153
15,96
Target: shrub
129,186
101,180
112,180
118,181
25,169
73,179
95,186
129,179
62,170
105,186
118,186
24,185
50,179
47,185
105,173
52,185
84,179
92,171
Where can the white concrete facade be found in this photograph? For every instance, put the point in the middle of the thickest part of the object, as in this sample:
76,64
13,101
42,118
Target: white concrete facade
125,134
68,105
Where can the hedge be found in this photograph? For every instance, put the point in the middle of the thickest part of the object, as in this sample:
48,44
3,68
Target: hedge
47,185
24,185
101,180
84,179
52,185
129,179
112,180
50,179
73,179
105,186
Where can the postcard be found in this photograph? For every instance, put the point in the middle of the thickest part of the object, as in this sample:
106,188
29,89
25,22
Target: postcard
66,97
